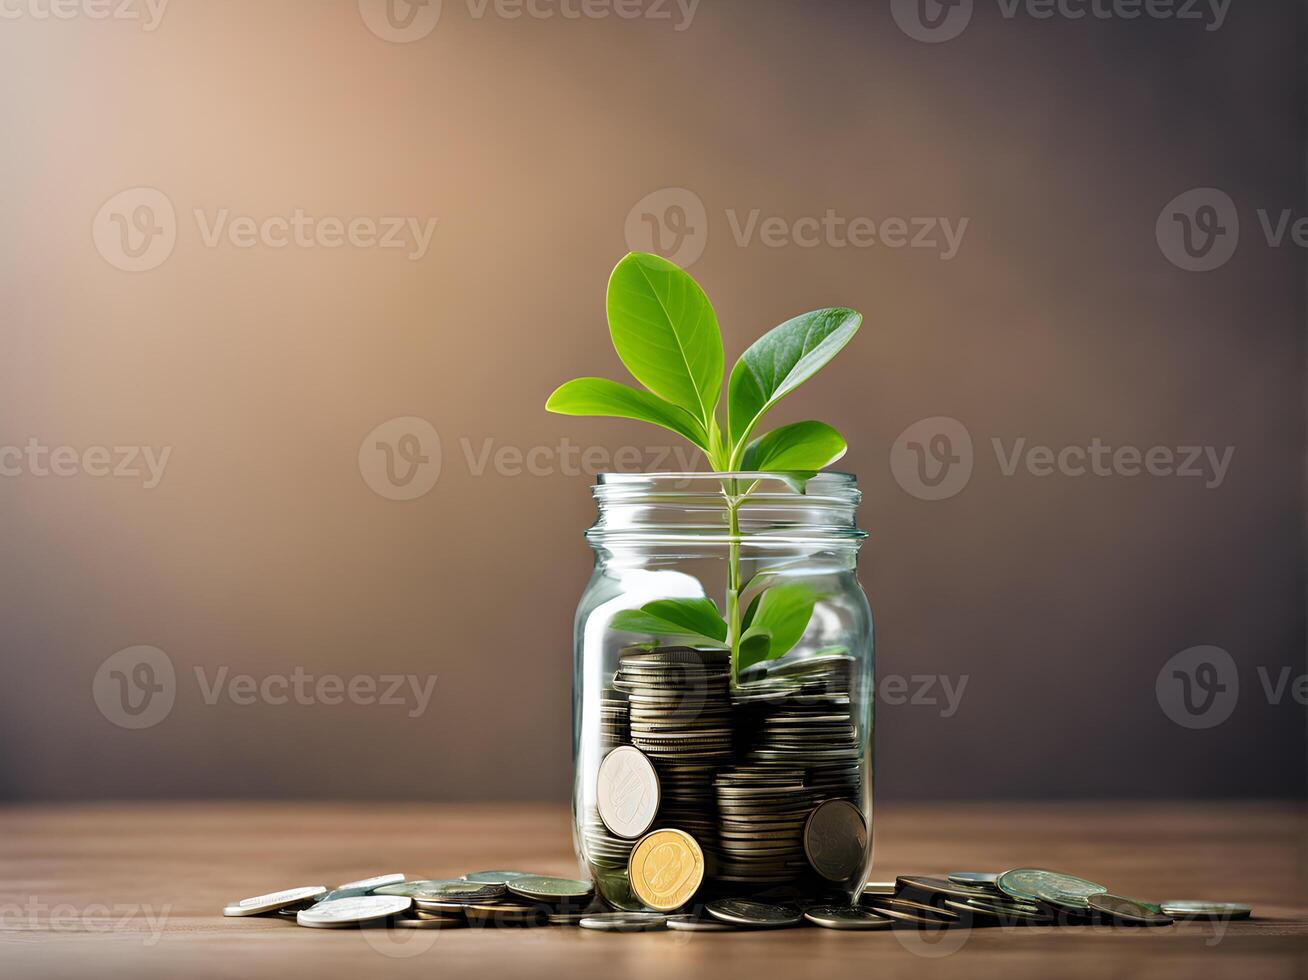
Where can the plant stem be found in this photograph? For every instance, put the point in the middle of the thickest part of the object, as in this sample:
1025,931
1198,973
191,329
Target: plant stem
733,578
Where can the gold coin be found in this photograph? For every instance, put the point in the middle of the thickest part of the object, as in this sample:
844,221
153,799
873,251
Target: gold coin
666,868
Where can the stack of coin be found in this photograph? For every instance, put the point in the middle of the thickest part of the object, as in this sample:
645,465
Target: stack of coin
615,727
763,810
680,715
811,726
604,850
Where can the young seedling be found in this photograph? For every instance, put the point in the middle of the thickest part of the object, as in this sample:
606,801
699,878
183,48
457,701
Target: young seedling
666,334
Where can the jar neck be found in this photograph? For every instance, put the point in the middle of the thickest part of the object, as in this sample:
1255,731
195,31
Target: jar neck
761,509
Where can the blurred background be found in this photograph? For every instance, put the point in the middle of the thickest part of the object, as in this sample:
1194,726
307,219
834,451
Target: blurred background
286,285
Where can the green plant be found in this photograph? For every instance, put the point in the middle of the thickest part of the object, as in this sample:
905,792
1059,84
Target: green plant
666,334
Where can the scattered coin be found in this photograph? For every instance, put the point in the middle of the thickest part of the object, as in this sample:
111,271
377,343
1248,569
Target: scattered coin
454,891
880,888
1127,910
695,923
835,840
741,912
1035,884
666,869
837,917
506,914
367,886
627,791
1006,913
943,886
497,877
567,918
261,904
907,910
432,922
624,921
352,911
421,913
542,888
982,879
1206,910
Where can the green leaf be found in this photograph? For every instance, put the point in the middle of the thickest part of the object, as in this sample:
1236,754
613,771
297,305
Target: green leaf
783,613
666,333
599,396
697,618
754,647
780,361
801,446
747,620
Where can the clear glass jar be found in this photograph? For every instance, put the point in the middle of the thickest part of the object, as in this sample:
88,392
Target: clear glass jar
745,749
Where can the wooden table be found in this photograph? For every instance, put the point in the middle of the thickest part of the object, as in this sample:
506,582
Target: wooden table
134,890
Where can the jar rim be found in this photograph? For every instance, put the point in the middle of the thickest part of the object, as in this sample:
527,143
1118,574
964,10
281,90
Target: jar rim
693,480
690,506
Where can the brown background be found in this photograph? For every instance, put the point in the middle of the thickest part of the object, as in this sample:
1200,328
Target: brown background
530,140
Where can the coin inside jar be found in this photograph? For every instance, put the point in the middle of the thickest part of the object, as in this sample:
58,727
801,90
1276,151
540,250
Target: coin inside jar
835,840
627,792
666,869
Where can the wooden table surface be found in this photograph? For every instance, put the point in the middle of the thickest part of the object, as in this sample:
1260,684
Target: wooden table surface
135,890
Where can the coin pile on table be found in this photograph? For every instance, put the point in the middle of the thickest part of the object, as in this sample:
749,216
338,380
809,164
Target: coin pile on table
667,874
1028,897
717,810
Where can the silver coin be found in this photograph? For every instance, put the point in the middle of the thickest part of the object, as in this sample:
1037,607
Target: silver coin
845,917
695,923
1011,914
261,904
910,911
1180,909
567,918
942,886
352,889
1127,910
627,792
434,906
742,912
835,840
505,915
497,877
624,921
545,889
1054,887
352,911
880,888
452,891
981,879
433,922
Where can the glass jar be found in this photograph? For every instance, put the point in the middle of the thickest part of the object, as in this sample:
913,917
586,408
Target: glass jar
747,738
